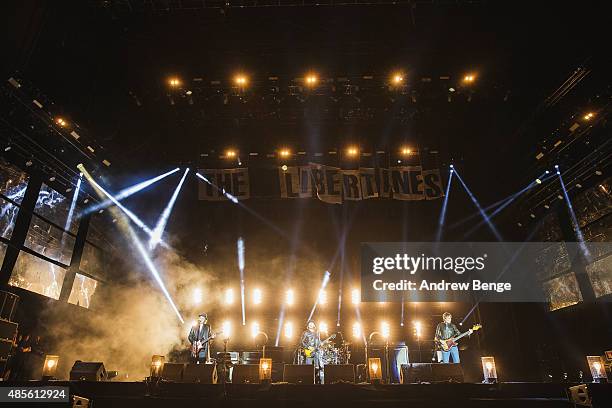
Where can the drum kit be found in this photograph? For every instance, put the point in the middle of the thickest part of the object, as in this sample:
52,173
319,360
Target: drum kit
335,353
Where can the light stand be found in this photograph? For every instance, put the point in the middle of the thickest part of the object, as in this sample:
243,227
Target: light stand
263,346
386,355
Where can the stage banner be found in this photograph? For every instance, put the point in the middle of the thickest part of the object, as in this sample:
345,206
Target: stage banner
329,184
334,185
223,182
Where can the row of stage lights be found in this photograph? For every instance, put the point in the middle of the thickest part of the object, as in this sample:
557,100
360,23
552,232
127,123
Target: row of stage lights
289,329
289,300
311,80
229,297
350,151
353,151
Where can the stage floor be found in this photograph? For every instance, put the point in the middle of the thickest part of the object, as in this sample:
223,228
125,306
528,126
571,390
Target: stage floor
447,395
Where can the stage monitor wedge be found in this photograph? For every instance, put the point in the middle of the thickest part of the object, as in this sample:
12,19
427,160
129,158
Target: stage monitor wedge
200,373
88,371
299,374
339,373
245,374
431,373
173,372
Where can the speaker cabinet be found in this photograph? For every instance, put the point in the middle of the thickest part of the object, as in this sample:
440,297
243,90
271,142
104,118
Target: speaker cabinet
431,372
299,373
7,329
200,373
447,372
88,371
339,373
245,374
5,348
173,371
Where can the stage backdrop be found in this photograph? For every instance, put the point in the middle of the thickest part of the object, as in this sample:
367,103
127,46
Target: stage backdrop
329,184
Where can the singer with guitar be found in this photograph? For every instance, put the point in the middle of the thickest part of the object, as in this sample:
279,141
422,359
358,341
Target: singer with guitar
200,336
311,343
446,336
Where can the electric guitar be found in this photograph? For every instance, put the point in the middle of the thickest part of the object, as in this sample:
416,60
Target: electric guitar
309,351
198,345
448,343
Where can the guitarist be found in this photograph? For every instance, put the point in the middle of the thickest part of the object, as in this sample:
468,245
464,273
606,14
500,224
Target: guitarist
444,331
199,337
311,340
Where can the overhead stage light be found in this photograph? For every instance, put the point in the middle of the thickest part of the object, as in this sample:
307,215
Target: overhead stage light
254,329
311,80
229,296
397,78
355,296
469,78
406,151
589,116
322,297
385,330
226,329
241,80
356,330
174,82
290,297
418,329
288,330
257,296
61,121
230,154
284,153
197,296
352,151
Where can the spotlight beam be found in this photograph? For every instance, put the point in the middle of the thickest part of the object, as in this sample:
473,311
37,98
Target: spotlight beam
75,197
155,238
244,207
240,250
443,211
480,210
139,246
128,191
323,285
505,204
127,212
575,224
505,268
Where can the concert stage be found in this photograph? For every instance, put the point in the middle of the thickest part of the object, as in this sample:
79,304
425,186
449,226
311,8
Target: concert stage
141,394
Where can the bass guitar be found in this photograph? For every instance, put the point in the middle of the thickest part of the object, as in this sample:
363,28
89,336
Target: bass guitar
309,351
448,343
